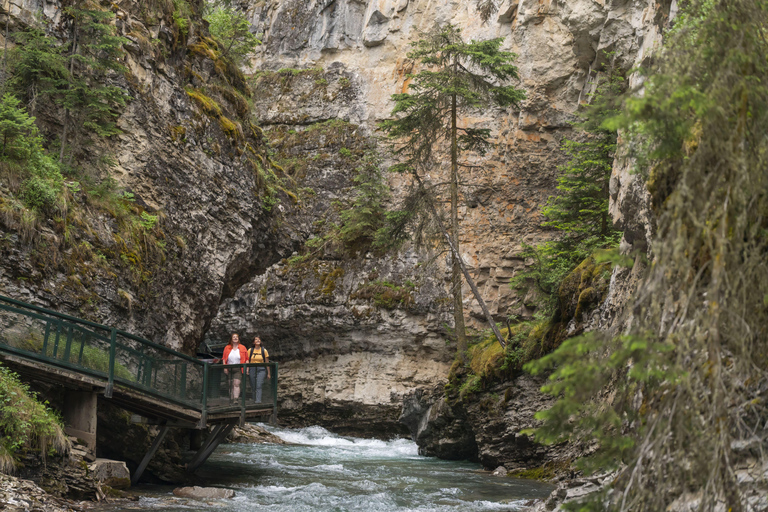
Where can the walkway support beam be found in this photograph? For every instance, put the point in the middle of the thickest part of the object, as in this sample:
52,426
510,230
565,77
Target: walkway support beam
218,434
151,453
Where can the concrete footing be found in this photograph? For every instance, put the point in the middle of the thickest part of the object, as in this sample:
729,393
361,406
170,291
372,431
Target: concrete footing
80,417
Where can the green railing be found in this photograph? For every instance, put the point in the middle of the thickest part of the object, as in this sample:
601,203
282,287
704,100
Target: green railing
118,357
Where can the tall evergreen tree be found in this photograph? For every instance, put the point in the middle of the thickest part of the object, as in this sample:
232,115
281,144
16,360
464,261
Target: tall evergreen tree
579,210
457,76
38,67
94,53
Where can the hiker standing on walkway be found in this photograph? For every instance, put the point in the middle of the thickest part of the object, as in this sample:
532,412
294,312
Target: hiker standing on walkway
258,354
234,353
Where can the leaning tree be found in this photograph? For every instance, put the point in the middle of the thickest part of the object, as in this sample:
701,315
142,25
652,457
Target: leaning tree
455,77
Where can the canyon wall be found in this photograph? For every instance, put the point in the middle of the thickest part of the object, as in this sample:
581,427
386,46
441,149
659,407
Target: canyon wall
340,352
354,335
173,161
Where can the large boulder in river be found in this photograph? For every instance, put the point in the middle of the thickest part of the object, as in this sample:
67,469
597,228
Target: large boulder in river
250,433
204,493
113,473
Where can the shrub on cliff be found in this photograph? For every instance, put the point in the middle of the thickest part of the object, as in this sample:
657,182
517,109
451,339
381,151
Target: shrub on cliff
579,211
231,29
25,423
22,155
689,379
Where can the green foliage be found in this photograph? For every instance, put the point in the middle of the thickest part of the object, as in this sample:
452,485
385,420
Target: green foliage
231,29
386,294
38,66
525,343
362,223
424,115
98,50
25,423
182,16
72,76
584,364
22,150
486,361
147,221
45,182
687,381
580,209
17,129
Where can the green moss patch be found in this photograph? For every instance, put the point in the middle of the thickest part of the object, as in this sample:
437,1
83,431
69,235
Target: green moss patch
387,295
544,473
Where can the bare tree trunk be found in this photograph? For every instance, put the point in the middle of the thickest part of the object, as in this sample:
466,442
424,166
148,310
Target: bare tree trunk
457,257
458,303
5,47
65,130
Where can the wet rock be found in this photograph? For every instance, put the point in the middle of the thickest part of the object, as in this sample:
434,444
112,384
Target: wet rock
204,493
113,473
500,471
253,434
62,475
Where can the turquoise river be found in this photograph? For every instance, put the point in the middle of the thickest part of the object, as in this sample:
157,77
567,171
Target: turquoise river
324,472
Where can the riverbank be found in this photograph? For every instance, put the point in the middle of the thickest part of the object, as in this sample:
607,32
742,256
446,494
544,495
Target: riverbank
317,470
309,469
18,494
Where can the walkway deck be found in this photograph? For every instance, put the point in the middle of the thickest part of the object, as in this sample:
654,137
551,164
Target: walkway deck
142,377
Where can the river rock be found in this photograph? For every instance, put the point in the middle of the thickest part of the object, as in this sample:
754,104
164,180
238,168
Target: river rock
500,471
204,493
24,495
113,473
253,434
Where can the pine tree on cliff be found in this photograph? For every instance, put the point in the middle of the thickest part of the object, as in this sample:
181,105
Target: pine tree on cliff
457,77
93,54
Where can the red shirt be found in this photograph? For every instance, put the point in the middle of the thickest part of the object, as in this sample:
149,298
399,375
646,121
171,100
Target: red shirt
243,354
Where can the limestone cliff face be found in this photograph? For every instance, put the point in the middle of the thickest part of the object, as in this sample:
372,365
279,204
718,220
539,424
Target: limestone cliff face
179,164
339,352
348,353
560,47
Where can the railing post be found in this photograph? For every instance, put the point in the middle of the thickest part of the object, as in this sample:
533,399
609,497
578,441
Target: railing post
56,342
112,352
45,339
204,409
243,395
273,419
183,383
68,346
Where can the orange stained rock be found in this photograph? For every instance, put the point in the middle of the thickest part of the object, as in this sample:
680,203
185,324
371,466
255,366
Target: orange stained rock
406,83
533,137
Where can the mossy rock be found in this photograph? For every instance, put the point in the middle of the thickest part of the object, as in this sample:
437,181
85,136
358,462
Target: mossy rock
206,104
543,473
583,289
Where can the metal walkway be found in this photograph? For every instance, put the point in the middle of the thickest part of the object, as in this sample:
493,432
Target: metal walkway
166,387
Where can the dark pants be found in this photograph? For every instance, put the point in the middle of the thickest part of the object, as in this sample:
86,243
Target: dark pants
257,375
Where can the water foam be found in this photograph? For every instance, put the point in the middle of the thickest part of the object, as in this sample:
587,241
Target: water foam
318,436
